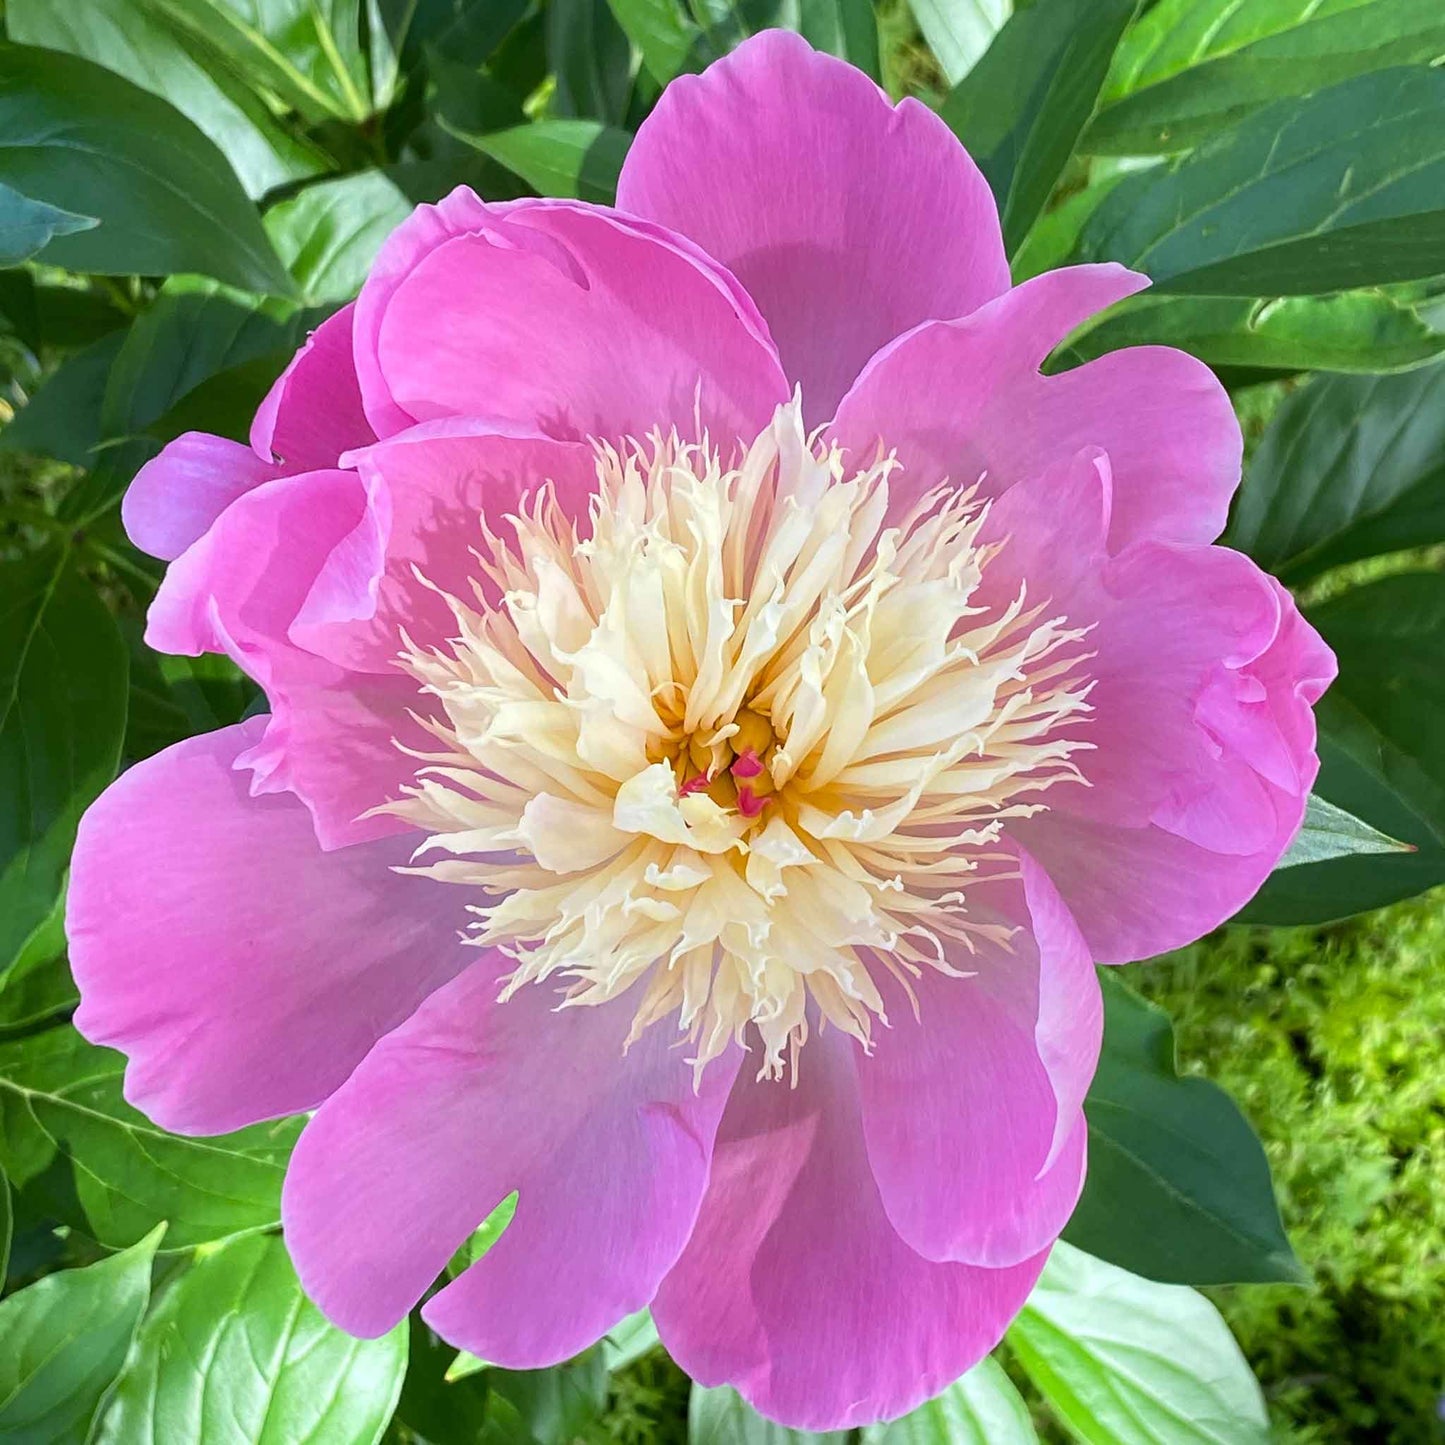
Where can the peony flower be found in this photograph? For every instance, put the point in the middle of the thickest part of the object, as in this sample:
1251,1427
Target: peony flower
723,702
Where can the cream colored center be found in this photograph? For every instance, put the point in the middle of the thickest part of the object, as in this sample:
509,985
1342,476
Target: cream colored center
743,744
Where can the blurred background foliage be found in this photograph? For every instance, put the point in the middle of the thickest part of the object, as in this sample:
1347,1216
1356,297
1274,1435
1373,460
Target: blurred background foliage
188,186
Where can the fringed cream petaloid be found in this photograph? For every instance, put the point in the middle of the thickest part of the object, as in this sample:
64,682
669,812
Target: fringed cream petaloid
741,744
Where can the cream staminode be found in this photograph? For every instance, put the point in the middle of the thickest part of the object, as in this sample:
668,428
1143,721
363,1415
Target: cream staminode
742,744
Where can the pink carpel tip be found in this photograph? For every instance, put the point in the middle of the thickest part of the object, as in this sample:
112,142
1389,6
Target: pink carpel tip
747,764
749,804
695,784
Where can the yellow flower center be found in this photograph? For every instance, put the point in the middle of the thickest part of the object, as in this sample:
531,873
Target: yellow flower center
742,743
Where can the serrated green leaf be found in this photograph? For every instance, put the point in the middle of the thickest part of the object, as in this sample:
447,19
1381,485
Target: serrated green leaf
1343,188
62,718
723,1417
235,1354
83,138
28,225
1021,109
959,31
1356,331
135,39
1178,1187
983,1408
328,234
1330,832
1350,467
1124,1361
105,1169
66,1338
1191,67
578,158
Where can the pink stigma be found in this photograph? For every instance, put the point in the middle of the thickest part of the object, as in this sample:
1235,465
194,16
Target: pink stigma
695,784
749,804
747,764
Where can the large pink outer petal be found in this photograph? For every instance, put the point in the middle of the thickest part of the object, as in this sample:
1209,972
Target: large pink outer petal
963,401
1224,806
469,1100
849,220
1201,742
244,972
794,1286
561,317
973,1108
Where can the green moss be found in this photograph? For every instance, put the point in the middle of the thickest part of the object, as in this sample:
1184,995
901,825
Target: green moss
1330,1039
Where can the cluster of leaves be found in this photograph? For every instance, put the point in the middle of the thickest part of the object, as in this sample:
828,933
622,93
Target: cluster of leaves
187,186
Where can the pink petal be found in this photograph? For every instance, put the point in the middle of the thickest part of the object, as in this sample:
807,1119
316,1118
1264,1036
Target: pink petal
848,219
469,1100
794,1287
313,413
310,542
1205,757
973,1110
175,497
244,972
563,318
431,489
963,401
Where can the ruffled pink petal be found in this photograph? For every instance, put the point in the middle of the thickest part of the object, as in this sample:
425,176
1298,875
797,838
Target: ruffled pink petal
794,1286
244,972
973,1108
469,1100
848,219
559,317
432,489
176,496
963,401
1205,750
311,541
313,413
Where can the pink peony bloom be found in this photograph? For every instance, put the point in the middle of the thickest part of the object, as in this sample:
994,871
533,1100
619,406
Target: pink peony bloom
702,613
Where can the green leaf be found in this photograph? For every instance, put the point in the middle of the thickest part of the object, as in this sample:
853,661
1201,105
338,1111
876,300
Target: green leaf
172,698
1350,467
308,52
84,139
135,39
1127,1362
66,1338
1342,188
983,1408
1331,832
578,158
667,38
1178,1187
105,1169
1355,331
630,1340
723,1417
328,234
193,330
37,991
591,58
62,717
1021,109
235,1354
7,1227
62,419
28,226
959,31
845,28
1191,67
552,1407
466,32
